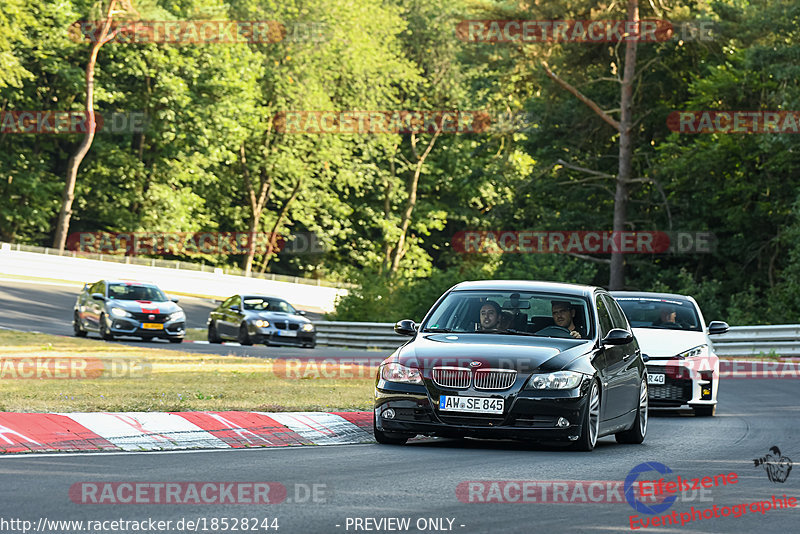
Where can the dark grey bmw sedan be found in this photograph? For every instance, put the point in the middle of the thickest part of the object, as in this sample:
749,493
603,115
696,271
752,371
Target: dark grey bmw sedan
515,360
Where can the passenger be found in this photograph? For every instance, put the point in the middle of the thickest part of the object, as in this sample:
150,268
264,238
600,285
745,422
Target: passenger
564,316
668,318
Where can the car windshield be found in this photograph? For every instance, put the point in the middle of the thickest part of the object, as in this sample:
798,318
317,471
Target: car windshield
135,292
662,313
267,304
521,313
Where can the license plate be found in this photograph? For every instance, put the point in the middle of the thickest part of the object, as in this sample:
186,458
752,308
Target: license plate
152,326
448,403
655,379
287,333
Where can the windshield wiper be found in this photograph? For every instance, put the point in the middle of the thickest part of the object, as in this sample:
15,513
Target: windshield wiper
518,333
438,330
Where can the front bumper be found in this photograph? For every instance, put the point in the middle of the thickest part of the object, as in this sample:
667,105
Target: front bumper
683,385
127,326
528,415
274,336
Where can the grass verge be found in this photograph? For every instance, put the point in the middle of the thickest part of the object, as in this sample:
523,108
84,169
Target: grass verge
137,379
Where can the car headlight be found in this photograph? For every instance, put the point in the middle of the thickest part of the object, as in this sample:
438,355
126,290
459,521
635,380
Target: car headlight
700,351
119,312
261,323
177,316
557,380
395,372
308,327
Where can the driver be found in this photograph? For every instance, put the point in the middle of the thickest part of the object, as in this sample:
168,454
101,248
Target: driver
564,315
668,318
490,315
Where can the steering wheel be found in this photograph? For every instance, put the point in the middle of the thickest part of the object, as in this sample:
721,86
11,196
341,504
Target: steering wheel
554,331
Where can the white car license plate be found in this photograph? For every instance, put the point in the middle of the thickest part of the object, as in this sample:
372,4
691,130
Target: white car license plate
655,379
448,403
287,333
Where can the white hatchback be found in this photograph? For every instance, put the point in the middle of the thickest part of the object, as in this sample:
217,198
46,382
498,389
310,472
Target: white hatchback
682,368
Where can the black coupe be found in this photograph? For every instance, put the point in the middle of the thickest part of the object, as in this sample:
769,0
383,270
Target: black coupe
515,360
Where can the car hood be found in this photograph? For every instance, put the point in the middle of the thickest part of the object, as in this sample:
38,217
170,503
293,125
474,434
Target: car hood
523,353
275,316
664,343
145,306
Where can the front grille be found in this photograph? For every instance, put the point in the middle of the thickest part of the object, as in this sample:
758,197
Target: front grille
451,377
494,378
145,317
671,391
286,325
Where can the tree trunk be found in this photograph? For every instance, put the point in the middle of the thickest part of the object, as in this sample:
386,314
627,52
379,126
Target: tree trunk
617,274
257,202
62,228
271,246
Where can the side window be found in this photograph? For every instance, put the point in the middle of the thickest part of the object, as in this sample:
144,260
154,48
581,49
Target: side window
228,302
603,317
618,318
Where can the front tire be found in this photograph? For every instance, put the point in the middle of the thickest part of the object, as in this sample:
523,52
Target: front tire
213,335
104,332
638,431
176,340
77,327
388,438
590,427
705,410
244,336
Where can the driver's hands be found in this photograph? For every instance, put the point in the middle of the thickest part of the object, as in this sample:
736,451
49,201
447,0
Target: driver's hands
575,334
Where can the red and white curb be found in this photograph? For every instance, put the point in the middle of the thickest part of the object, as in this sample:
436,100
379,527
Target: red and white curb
156,431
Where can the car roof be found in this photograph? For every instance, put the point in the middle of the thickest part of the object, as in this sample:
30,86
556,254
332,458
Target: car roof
527,285
129,282
650,295
252,296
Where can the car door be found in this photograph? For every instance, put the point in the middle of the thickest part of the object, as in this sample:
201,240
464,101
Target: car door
221,318
614,381
630,352
232,316
94,307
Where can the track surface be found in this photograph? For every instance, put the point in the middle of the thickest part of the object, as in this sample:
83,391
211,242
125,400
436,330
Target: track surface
419,480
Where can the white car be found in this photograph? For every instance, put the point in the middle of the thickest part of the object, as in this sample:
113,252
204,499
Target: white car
681,365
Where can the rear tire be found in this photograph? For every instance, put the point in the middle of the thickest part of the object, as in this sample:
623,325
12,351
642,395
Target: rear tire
705,410
590,427
244,336
638,431
104,332
388,438
77,327
213,336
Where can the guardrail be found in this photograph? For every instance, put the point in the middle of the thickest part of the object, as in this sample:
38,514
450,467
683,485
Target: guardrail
783,340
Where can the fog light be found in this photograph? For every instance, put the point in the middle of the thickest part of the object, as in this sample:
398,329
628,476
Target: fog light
388,413
562,423
572,438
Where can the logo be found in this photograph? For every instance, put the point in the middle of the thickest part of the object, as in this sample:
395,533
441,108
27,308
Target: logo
629,490
777,466
151,317
475,364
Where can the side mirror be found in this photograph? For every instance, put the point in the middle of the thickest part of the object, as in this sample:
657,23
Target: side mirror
406,327
617,336
174,299
98,296
645,357
300,312
717,327
235,308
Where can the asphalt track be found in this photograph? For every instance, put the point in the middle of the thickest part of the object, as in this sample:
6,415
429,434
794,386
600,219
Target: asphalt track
419,480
